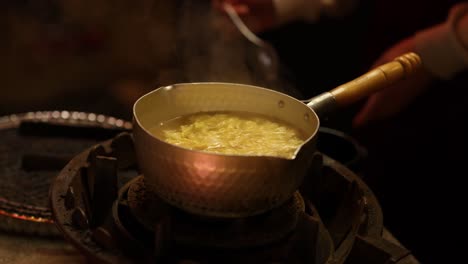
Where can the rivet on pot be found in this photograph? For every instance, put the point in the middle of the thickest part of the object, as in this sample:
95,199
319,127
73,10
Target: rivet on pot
306,117
281,104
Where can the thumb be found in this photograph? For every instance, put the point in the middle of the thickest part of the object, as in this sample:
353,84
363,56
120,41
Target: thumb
366,113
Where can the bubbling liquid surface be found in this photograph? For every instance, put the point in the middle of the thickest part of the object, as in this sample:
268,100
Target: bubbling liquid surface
235,133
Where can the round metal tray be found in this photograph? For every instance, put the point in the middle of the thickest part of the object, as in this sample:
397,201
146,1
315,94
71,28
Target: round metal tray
33,148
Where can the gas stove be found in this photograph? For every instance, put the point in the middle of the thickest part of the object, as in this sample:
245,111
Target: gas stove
99,203
34,147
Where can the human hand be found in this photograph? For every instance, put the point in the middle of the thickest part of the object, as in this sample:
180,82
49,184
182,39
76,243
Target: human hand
258,15
397,97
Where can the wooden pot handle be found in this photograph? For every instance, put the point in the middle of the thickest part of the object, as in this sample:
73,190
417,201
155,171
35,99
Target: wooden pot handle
374,80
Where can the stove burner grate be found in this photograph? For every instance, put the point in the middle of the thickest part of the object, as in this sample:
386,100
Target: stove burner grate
212,232
97,204
34,147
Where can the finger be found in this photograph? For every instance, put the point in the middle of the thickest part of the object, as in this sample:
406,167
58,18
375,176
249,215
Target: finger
367,112
241,9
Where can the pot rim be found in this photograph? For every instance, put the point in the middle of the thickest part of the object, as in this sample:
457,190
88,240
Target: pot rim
171,86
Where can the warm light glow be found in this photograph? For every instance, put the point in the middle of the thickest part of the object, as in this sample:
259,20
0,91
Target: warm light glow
205,168
328,2
26,218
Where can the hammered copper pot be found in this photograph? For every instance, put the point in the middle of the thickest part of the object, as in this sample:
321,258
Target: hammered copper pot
221,185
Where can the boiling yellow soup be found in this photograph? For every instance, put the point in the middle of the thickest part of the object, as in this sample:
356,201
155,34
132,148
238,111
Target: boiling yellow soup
232,133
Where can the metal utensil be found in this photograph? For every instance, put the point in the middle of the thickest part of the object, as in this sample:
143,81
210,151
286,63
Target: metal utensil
266,54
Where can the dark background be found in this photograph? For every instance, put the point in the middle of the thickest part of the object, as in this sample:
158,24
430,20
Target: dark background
99,56
416,161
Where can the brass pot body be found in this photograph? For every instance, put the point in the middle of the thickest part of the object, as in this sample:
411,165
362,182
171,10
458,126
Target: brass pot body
216,184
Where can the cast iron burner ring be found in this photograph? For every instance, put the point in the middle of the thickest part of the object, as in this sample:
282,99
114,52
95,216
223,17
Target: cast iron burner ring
98,198
203,231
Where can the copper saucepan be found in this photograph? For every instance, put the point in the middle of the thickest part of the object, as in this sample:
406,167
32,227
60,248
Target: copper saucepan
221,185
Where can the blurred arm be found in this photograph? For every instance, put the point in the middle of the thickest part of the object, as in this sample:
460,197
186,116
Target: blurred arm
311,10
444,48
